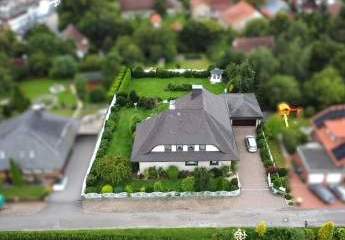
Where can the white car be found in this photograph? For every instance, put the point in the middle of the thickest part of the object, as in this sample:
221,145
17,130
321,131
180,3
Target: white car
251,144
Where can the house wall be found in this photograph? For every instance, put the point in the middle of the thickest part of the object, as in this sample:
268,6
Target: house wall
180,165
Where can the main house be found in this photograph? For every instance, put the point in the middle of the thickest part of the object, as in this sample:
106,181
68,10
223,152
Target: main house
195,131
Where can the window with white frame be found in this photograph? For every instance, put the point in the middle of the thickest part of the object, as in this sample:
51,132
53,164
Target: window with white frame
179,148
202,147
191,163
167,148
214,163
190,148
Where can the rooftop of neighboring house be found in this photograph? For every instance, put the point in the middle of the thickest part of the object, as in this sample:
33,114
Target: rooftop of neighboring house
329,128
217,71
72,33
37,140
248,44
315,158
10,8
239,12
144,5
199,118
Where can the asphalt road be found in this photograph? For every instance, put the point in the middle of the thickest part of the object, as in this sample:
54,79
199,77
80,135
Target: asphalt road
65,210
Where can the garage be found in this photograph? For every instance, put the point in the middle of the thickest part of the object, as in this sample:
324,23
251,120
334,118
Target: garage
244,122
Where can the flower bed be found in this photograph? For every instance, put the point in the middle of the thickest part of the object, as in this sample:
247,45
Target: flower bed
277,177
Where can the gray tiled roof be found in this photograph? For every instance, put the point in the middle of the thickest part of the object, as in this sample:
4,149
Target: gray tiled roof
217,71
48,137
243,105
198,118
316,159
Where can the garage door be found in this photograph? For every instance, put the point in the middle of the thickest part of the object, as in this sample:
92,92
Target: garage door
244,122
333,178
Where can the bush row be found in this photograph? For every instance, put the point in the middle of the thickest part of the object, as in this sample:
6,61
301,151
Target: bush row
128,100
117,82
179,87
126,81
279,176
174,234
138,72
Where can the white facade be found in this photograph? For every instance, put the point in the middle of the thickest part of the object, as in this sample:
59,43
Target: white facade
180,165
216,78
316,178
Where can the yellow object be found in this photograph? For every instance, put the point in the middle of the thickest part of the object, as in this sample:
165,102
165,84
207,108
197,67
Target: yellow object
284,111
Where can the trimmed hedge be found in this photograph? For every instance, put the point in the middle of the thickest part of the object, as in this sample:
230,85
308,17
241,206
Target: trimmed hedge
168,234
139,72
117,82
126,81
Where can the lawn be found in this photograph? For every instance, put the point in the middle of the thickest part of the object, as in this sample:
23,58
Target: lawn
24,193
155,87
122,140
34,89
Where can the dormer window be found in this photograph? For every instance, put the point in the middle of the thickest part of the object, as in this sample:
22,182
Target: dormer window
167,148
202,147
190,148
179,148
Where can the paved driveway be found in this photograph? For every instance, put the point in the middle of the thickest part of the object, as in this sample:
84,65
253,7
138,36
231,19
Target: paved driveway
76,169
255,192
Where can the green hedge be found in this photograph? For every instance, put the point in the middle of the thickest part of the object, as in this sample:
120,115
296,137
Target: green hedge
117,82
138,72
126,81
169,234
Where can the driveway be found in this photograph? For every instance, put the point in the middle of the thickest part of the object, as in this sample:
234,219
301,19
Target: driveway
76,169
255,192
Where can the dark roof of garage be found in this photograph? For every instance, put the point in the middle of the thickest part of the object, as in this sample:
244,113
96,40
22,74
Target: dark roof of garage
315,158
243,105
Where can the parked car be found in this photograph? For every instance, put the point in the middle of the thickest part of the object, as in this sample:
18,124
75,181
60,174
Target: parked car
251,144
338,191
323,193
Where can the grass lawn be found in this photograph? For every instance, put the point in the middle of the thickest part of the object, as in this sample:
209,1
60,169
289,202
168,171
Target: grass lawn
34,89
201,63
155,87
122,140
24,193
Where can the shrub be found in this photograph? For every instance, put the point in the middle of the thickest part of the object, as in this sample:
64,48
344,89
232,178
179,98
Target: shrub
113,169
147,102
233,184
326,231
119,189
283,172
340,234
16,174
261,229
133,97
107,189
179,87
288,197
149,188
63,67
133,123
222,184
129,189
187,184
184,174
297,234
233,168
98,95
151,173
202,178
158,186
309,234
216,172
172,172
91,179
161,172
293,138
116,84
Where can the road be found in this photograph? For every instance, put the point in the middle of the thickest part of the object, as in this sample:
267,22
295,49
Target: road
66,211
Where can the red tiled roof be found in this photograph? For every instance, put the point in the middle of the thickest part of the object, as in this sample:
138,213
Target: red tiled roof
336,127
72,33
247,45
238,13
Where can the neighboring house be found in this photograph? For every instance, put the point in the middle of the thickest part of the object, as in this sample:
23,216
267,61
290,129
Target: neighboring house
81,41
249,44
273,7
21,15
131,8
38,142
216,75
196,131
208,8
238,15
93,79
324,160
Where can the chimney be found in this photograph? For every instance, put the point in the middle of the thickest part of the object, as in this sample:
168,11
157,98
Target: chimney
196,90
